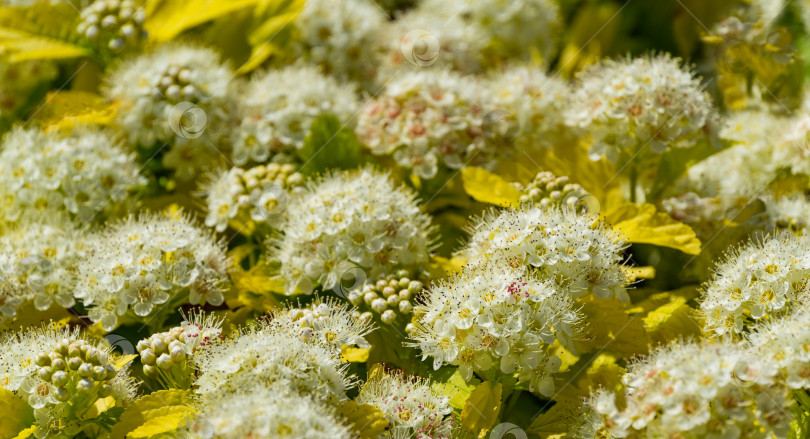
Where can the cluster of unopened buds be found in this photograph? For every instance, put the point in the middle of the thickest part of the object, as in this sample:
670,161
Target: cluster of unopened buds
166,355
76,369
257,194
549,190
389,297
118,23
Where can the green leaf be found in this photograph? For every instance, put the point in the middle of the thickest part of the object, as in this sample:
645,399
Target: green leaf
44,30
165,19
642,224
17,414
329,145
482,408
490,188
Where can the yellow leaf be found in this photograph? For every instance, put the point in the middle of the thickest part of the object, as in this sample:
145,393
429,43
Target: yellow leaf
266,39
442,267
351,354
610,328
260,279
147,407
557,419
44,30
164,420
17,415
165,19
71,108
490,188
365,421
28,315
672,320
481,410
635,273
25,434
123,360
457,389
567,357
99,406
643,225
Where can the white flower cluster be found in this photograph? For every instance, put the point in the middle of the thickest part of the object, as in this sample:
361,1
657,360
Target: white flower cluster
350,221
493,316
689,390
759,280
572,249
84,174
342,37
113,24
171,357
535,103
177,96
790,212
147,262
278,107
267,412
38,261
280,351
413,408
429,118
630,105
258,193
779,351
513,29
61,375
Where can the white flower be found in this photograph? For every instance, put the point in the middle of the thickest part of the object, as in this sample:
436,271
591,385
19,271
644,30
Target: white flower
689,390
346,221
633,106
581,255
412,406
761,279
430,118
493,316
329,321
139,264
85,174
267,412
278,107
342,37
178,96
258,194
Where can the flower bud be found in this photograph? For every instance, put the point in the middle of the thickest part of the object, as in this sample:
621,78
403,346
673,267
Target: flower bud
379,305
148,357
165,362
405,307
74,363
388,317
99,373
45,373
150,371
105,390
59,378
43,360
58,364
84,385
61,394
85,370
178,355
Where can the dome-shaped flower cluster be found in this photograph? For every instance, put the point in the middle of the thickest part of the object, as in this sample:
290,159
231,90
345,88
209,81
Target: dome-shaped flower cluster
177,97
572,249
491,316
342,37
413,408
267,412
779,351
326,321
85,173
632,106
152,261
38,261
689,390
350,223
259,194
762,279
280,351
278,108
534,104
429,118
